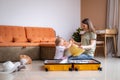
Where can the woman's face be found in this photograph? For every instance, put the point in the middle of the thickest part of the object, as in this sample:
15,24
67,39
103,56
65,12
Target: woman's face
84,27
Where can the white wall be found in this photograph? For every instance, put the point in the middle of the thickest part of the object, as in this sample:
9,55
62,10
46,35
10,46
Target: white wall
61,15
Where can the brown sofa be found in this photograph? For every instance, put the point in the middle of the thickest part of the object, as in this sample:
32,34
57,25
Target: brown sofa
37,42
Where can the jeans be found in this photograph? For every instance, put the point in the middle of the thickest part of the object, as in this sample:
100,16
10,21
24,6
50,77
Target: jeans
80,57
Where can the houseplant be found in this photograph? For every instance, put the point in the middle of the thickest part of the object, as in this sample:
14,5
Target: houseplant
76,35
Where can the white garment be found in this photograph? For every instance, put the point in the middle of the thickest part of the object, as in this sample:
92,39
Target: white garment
9,67
59,52
23,61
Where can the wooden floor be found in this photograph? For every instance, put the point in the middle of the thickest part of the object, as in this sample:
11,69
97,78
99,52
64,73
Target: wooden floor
35,71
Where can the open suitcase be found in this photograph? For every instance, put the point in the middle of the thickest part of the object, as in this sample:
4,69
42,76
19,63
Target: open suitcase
79,65
57,65
69,65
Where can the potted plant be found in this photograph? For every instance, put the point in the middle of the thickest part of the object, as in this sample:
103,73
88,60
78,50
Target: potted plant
76,35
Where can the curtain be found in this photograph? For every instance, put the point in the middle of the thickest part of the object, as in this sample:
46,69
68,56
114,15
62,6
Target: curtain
113,22
118,38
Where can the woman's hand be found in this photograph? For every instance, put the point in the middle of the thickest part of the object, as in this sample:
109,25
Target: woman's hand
88,47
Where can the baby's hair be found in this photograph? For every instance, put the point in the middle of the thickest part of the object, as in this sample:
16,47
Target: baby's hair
58,40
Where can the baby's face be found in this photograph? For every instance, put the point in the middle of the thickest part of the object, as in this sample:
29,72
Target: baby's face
62,42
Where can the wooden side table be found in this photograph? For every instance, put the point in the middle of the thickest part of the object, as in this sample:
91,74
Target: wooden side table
107,33
110,33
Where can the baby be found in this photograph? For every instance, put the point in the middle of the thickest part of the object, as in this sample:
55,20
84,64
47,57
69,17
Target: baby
61,46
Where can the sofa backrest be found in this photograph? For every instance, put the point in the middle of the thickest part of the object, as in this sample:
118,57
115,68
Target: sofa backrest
19,34
40,34
26,36
5,34
12,33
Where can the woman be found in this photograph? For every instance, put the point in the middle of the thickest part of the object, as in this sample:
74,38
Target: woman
88,40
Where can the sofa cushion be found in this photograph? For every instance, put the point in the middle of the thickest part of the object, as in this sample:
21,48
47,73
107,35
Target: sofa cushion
7,38
19,34
35,40
40,39
23,44
6,33
1,39
49,39
40,34
13,33
17,39
51,44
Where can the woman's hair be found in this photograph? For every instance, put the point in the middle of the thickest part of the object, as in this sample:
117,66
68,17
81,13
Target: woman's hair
89,23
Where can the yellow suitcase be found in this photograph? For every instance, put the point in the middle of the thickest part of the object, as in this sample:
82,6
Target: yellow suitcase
56,65
79,65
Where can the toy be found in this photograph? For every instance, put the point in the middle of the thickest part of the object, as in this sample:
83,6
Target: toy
25,59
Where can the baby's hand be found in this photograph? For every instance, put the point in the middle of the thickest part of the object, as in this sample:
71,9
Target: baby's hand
71,41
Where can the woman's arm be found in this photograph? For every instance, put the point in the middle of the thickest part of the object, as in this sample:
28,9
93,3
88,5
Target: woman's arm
93,42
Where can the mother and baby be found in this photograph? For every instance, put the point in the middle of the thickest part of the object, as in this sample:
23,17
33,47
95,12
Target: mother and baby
87,45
